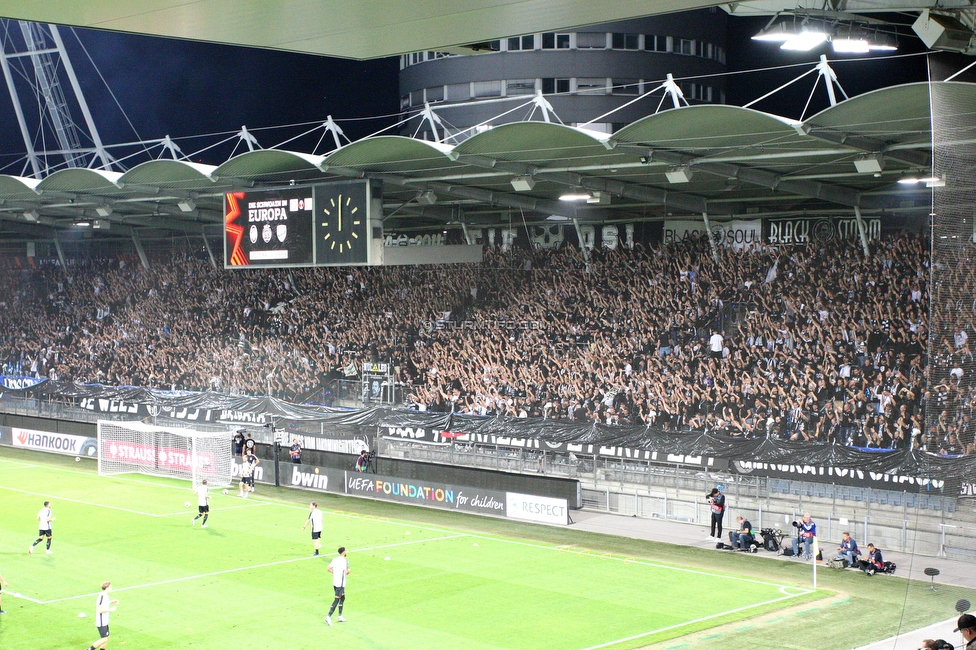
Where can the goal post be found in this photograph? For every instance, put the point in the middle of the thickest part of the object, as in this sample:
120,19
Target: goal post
136,447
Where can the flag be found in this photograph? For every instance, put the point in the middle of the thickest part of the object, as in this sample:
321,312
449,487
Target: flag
771,273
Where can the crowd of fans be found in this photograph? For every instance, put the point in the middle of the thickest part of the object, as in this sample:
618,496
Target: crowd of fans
806,343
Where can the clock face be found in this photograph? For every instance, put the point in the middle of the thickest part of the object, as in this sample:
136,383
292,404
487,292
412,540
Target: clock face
342,224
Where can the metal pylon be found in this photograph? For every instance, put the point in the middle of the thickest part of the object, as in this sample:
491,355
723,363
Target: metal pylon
35,64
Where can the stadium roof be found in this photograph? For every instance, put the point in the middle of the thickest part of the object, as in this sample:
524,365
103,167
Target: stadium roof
370,29
736,162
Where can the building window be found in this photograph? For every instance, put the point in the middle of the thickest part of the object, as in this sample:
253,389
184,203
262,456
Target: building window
435,94
720,57
707,94
686,46
416,97
520,87
710,51
550,85
458,92
404,101
626,86
517,43
553,41
487,88
688,90
654,43
591,85
591,40
626,41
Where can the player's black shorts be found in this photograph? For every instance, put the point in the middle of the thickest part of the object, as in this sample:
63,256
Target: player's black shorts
44,533
203,509
317,535
103,631
247,480
339,591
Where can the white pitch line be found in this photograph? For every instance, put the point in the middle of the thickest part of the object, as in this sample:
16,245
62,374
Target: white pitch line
86,503
17,594
239,569
686,623
112,477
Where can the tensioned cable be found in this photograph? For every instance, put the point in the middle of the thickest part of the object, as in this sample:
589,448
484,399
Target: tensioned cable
105,83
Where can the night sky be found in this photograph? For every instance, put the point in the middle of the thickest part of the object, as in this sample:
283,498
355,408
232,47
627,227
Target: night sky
185,88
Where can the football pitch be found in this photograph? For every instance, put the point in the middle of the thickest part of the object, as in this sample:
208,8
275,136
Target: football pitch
249,580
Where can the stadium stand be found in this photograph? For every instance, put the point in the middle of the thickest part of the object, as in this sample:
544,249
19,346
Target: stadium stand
818,343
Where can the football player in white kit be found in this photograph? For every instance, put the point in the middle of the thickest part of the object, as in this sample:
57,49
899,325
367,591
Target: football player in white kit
44,517
339,568
103,605
315,518
203,504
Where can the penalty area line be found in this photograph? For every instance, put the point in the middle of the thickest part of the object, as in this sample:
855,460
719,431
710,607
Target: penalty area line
691,622
239,569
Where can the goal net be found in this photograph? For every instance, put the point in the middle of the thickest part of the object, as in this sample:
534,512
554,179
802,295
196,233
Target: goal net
135,447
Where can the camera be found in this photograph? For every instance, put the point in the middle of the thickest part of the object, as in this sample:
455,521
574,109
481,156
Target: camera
796,524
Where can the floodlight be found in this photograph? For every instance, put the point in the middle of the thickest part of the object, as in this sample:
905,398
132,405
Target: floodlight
103,210
186,205
576,194
31,215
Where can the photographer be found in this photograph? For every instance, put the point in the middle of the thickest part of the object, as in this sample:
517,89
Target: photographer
717,501
295,452
743,537
874,561
806,530
362,463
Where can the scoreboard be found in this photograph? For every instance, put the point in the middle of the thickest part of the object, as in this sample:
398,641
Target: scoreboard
321,225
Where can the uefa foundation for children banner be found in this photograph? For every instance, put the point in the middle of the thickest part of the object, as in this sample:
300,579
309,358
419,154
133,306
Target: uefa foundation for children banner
439,495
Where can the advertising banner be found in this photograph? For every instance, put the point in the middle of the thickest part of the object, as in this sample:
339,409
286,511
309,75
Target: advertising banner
543,510
5,438
863,477
307,477
58,443
152,456
440,495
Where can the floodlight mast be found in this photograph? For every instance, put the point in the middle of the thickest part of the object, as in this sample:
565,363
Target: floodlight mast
42,44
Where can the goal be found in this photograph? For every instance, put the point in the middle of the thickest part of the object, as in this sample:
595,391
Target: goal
135,447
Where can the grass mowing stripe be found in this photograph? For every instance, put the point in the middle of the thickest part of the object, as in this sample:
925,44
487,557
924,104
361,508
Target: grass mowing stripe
237,569
84,503
687,623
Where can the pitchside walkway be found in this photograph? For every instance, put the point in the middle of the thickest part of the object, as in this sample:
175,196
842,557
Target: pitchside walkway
954,572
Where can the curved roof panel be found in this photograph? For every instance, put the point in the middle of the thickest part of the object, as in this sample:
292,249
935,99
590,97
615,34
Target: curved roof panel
267,163
712,129
896,114
535,142
16,186
393,154
170,173
80,180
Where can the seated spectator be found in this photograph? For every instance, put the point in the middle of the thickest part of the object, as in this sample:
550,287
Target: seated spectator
936,644
848,550
874,561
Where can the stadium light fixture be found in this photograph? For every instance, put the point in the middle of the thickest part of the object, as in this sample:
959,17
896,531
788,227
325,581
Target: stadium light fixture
556,217
186,205
872,164
32,216
523,183
576,194
426,198
82,224
682,174
103,210
806,40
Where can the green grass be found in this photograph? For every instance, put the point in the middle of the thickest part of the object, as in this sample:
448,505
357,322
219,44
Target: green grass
451,581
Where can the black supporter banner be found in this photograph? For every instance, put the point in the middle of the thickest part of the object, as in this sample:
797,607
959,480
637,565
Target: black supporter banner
761,457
